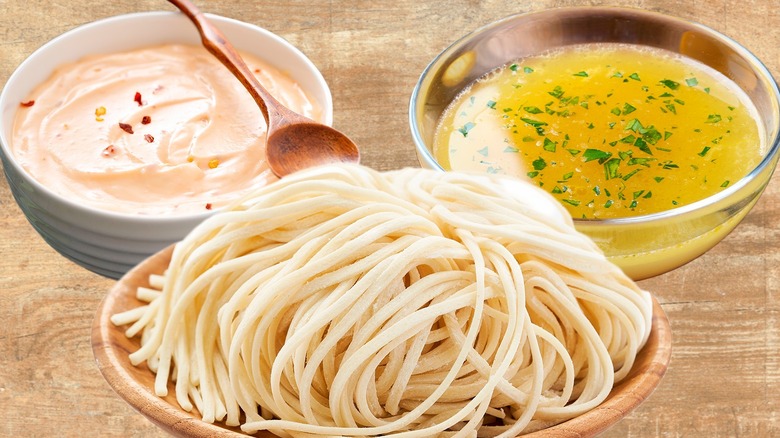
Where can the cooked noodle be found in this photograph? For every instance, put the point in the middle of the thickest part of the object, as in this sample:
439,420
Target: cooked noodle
346,301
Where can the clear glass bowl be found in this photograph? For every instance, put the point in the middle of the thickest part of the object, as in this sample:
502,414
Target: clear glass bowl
643,246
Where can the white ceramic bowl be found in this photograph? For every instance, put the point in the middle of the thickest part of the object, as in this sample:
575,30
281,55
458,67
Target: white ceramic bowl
110,243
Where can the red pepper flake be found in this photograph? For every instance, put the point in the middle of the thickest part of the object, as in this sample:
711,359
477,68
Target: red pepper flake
109,151
145,120
125,127
29,103
148,138
137,99
208,206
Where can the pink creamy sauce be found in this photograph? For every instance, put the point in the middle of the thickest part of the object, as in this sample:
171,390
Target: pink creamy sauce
197,141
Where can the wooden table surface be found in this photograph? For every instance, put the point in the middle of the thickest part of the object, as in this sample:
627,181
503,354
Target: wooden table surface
724,378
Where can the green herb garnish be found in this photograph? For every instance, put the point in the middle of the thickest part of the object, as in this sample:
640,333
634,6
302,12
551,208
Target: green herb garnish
557,92
532,110
466,128
533,122
670,84
539,164
595,154
611,168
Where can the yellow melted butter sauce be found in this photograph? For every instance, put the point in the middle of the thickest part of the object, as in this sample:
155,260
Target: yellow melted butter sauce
610,130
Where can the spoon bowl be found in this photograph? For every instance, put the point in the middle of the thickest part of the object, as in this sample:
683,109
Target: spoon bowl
293,141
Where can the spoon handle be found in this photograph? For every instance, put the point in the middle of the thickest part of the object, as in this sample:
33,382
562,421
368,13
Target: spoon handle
220,47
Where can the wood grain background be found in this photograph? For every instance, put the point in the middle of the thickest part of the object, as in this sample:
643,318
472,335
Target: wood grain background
724,379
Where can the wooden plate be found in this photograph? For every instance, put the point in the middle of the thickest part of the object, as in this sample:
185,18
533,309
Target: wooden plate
136,384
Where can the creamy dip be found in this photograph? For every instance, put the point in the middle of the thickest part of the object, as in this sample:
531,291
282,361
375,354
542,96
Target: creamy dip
159,130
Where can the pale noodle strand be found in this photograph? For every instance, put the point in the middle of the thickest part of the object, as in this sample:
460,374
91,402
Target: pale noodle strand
342,301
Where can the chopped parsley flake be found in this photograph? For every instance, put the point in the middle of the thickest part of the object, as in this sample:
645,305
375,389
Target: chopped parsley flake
533,122
670,84
611,168
539,164
532,110
557,92
630,174
466,128
595,154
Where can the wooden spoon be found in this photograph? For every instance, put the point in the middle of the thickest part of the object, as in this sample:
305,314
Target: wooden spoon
293,142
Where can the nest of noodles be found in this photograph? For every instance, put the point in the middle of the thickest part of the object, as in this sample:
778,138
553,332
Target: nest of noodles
346,301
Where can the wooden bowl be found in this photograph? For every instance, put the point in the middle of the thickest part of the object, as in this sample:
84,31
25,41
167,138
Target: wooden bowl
136,384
